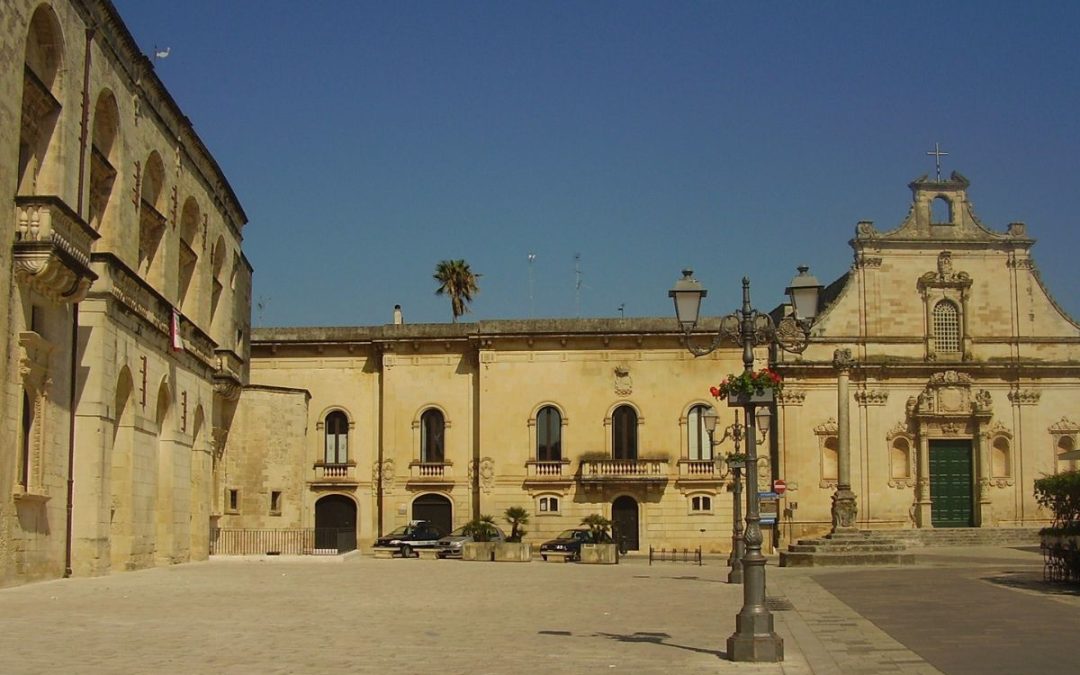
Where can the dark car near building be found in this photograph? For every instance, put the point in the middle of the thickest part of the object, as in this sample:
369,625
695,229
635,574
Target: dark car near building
417,534
568,543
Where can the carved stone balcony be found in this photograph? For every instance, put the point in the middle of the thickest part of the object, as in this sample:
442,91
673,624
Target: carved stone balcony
430,475
548,473
700,473
616,471
334,475
51,252
229,376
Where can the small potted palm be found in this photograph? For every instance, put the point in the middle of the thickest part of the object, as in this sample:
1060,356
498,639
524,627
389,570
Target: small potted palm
600,550
513,549
482,530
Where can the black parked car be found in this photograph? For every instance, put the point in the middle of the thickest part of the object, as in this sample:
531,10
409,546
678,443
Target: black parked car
417,534
568,542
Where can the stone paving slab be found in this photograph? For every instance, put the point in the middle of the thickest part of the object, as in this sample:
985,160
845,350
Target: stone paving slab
367,615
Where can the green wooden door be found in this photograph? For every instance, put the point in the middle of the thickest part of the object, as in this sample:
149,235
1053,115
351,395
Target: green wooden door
950,483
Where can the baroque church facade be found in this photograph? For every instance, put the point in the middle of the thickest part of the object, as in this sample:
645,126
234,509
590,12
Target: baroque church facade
938,359
126,303
140,418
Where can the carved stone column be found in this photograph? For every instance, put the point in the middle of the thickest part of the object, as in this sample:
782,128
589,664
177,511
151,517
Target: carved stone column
845,507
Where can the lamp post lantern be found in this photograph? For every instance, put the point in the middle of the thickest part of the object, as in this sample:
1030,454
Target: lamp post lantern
754,638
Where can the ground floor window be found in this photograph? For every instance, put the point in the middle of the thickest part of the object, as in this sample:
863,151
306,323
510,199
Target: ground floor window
701,504
548,505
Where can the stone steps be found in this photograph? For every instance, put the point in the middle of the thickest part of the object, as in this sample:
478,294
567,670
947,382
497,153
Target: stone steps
892,547
849,558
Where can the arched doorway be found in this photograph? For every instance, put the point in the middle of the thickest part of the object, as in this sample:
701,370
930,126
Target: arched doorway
624,520
436,509
335,523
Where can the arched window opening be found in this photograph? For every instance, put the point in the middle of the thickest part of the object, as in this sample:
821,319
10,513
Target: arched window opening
548,435
941,211
900,459
24,441
187,258
336,434
1001,460
548,505
946,327
217,264
151,218
432,437
699,445
701,503
42,75
624,444
102,157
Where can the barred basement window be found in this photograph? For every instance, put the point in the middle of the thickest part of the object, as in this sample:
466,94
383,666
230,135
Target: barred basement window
946,327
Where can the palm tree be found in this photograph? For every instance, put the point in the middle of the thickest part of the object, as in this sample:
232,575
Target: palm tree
459,282
516,516
480,529
599,528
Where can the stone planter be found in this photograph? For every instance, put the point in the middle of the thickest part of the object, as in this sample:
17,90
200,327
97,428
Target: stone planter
513,552
478,551
599,554
767,397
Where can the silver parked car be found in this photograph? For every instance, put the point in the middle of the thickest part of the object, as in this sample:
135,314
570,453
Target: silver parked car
450,545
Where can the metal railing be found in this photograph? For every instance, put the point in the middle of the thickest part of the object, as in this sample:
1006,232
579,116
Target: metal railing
687,555
295,541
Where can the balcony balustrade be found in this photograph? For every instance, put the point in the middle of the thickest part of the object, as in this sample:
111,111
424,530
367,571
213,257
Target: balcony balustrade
52,248
545,472
334,474
425,474
700,472
624,470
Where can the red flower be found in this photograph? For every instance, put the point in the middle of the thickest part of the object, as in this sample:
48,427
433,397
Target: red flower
714,391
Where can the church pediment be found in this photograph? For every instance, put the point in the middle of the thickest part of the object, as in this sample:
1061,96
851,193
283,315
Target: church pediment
949,394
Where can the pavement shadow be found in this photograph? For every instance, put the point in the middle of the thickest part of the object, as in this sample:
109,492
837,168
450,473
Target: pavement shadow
658,639
639,637
1027,581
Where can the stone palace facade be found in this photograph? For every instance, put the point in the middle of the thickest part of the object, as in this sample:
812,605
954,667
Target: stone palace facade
126,303
962,378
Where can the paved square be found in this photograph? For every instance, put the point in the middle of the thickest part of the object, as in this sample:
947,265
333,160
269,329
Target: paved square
366,615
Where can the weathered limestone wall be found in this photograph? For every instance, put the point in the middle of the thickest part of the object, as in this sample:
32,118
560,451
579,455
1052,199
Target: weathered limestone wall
267,451
144,413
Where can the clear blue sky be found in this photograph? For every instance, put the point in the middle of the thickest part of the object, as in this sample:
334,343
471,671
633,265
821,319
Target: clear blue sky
367,141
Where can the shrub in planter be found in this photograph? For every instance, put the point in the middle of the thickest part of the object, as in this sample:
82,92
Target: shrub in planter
513,549
482,530
1061,494
601,550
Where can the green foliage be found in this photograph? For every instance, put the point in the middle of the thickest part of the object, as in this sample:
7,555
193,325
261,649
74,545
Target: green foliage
480,529
459,282
747,383
599,528
516,516
1061,494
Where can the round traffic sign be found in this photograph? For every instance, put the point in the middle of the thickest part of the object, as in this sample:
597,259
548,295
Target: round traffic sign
779,486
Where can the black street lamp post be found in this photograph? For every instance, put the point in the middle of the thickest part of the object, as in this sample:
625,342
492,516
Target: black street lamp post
754,638
736,431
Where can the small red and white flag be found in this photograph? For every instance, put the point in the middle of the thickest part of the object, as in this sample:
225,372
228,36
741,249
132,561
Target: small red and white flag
177,343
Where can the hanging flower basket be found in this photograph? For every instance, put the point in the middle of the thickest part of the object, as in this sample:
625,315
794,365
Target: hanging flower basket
749,388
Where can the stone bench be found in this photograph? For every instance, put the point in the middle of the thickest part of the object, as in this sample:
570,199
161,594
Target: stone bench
427,553
385,551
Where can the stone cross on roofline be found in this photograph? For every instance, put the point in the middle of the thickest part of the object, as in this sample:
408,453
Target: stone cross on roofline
938,153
